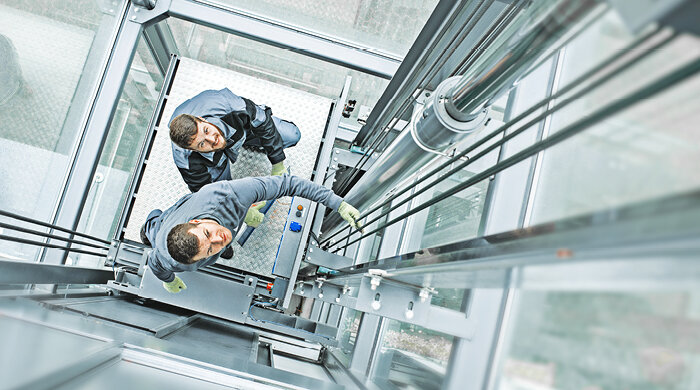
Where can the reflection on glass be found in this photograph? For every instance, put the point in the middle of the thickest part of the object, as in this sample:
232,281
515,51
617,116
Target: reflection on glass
648,151
347,333
454,218
384,25
601,341
121,152
45,87
450,298
411,357
274,64
370,246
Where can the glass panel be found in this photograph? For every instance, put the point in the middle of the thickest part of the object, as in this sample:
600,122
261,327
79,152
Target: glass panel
385,25
121,152
274,64
370,246
411,357
347,333
457,217
645,152
604,340
450,298
51,55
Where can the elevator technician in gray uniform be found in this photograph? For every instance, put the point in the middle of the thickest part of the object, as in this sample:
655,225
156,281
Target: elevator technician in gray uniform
192,232
208,130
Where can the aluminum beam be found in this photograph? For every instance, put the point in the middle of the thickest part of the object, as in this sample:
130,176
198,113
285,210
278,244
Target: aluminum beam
229,20
207,294
146,146
21,272
662,229
162,44
321,175
365,344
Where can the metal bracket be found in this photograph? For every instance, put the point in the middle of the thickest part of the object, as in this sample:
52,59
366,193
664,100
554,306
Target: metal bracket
409,304
327,293
205,293
350,159
148,11
318,256
123,253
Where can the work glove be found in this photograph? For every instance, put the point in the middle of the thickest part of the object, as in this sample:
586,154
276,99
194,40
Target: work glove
278,169
175,286
350,214
254,217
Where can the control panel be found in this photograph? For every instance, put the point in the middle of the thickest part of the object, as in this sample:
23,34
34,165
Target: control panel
292,238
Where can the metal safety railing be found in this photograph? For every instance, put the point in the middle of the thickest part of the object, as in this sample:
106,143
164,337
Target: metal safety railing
594,78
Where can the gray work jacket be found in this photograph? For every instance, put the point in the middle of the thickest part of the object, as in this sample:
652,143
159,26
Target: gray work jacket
237,118
227,203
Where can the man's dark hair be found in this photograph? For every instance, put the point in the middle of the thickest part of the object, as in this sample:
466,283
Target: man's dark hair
183,129
183,245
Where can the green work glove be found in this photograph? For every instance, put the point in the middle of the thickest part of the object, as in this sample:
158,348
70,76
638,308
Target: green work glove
278,169
350,214
175,286
254,217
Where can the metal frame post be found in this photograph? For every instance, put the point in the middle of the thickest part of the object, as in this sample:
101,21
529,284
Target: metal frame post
329,49
90,147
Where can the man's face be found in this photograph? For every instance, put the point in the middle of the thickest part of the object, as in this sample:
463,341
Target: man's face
208,138
212,237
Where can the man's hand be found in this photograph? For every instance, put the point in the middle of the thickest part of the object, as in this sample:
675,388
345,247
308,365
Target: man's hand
175,286
350,214
278,169
254,217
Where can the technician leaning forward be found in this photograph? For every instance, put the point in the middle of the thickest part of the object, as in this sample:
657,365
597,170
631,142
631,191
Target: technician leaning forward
208,130
192,233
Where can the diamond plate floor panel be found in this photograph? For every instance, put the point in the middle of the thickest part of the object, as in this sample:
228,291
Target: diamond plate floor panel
162,184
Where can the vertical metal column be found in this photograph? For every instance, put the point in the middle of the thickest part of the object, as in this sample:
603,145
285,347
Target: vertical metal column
95,134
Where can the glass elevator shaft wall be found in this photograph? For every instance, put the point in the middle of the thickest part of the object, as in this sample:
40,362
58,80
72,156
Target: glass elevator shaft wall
52,57
628,90
572,264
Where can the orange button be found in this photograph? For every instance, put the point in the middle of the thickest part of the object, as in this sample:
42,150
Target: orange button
300,207
269,286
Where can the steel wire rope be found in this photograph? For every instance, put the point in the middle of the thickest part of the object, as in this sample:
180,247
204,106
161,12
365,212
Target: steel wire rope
47,235
559,136
501,23
40,223
508,14
430,75
46,245
571,85
422,60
